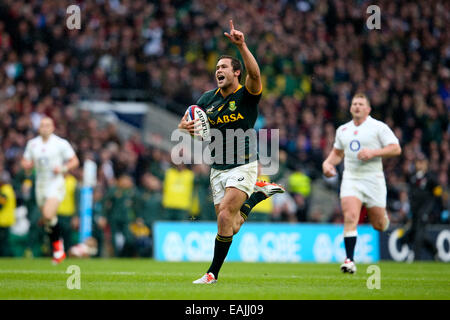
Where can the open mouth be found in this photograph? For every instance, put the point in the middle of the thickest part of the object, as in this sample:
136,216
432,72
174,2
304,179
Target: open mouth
220,77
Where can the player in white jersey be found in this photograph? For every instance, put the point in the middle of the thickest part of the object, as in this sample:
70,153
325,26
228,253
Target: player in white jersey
362,143
52,157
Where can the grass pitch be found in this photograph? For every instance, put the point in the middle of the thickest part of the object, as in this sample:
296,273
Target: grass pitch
149,279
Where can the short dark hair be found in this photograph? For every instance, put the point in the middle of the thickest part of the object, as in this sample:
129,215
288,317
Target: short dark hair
235,63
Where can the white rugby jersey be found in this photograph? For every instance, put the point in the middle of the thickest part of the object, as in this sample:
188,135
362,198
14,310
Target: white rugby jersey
371,134
46,156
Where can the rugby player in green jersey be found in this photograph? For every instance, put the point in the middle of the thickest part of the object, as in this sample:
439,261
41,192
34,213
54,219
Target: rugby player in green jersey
234,183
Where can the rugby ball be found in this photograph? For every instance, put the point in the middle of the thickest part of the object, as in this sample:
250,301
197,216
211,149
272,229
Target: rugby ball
195,112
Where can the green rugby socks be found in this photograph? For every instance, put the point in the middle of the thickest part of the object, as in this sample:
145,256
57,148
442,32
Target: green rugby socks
248,205
221,247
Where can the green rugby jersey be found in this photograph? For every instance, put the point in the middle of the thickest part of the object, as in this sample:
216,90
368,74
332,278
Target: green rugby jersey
237,111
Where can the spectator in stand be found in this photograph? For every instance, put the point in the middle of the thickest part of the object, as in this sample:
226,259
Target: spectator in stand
119,211
177,192
7,218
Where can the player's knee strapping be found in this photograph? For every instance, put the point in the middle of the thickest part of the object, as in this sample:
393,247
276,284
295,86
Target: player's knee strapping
387,222
49,224
52,228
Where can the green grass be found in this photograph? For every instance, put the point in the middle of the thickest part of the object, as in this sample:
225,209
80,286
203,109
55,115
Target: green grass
150,279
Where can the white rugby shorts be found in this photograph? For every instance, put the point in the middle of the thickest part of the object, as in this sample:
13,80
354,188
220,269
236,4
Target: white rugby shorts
53,189
372,192
242,177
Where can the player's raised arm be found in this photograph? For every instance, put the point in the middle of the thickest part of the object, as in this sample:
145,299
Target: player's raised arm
334,158
253,79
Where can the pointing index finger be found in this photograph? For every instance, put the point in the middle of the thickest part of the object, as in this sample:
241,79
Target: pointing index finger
231,25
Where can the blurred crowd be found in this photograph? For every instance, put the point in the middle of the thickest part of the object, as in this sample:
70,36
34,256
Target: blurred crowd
313,56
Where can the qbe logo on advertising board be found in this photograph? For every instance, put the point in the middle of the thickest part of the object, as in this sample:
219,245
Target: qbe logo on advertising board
263,242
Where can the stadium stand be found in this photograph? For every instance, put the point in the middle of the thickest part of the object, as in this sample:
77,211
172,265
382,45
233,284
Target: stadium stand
313,55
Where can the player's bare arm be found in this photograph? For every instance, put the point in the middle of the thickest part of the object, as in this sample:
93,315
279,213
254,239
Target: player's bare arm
329,165
73,163
253,78
390,150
